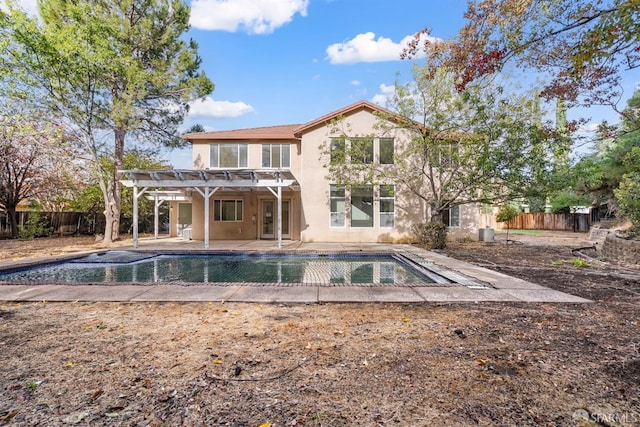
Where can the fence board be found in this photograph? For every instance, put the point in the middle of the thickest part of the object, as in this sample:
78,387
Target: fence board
540,221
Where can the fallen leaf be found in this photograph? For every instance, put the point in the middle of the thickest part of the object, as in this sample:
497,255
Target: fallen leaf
266,424
406,320
68,364
217,361
95,395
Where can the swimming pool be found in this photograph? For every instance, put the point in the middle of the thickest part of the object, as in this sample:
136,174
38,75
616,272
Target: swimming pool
147,268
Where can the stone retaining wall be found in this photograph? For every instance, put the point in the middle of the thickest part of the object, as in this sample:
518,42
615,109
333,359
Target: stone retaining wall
621,251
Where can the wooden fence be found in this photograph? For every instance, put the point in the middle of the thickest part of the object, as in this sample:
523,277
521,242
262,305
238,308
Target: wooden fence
541,221
59,223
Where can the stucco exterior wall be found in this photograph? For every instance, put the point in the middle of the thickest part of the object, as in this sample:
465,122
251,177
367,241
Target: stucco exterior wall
315,186
469,224
310,207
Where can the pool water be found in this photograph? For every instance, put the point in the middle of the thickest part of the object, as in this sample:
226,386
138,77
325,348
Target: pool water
147,268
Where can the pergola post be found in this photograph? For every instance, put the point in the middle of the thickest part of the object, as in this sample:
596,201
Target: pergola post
279,217
278,195
206,194
136,196
156,214
206,217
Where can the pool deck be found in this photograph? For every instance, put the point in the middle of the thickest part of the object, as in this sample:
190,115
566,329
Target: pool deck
504,288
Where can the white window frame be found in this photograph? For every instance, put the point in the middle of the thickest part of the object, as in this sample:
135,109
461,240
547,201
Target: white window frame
218,212
352,207
285,154
368,144
448,212
340,216
242,161
393,150
386,214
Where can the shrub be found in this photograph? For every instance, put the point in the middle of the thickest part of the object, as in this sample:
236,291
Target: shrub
431,235
34,226
628,195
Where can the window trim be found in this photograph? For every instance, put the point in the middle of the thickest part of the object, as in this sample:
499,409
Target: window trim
337,150
367,144
351,206
283,147
387,198
344,201
239,159
393,150
218,213
448,213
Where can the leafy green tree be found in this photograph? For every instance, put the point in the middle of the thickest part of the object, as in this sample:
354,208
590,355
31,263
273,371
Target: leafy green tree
628,192
599,174
506,213
482,144
111,71
89,199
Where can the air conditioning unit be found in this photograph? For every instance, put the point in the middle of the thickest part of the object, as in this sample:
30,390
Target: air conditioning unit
186,233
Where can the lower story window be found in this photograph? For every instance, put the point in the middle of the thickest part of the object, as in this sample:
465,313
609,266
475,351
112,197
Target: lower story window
387,206
338,202
451,216
362,206
227,210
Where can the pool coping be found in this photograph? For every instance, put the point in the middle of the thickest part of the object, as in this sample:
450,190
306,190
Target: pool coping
504,288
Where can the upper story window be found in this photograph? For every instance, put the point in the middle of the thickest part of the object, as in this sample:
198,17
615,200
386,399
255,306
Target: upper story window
276,156
385,151
228,155
448,155
337,150
362,150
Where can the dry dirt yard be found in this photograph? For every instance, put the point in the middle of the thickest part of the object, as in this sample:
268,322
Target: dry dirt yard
221,364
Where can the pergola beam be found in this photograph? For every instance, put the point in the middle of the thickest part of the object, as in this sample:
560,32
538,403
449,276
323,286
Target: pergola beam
206,182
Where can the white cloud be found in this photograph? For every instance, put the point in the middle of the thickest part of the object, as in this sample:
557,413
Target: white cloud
386,91
218,109
29,6
355,82
252,16
366,48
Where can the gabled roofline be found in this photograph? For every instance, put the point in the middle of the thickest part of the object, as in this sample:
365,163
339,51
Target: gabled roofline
289,132
345,111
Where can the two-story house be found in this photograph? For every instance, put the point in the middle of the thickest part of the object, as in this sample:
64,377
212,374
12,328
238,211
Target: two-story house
273,183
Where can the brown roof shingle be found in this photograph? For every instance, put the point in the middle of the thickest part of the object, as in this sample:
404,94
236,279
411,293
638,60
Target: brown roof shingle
261,133
283,132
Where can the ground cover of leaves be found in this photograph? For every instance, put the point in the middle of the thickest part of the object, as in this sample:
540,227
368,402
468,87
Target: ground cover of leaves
210,364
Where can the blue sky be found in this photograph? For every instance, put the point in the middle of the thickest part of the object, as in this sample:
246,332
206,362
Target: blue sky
277,62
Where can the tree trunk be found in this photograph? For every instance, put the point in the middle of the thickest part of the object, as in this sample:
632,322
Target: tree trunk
11,212
436,215
114,190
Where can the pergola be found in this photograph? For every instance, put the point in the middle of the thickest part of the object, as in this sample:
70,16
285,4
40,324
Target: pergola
206,182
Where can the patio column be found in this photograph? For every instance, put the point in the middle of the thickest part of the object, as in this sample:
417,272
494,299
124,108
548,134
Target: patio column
136,196
206,194
279,217
278,195
156,214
